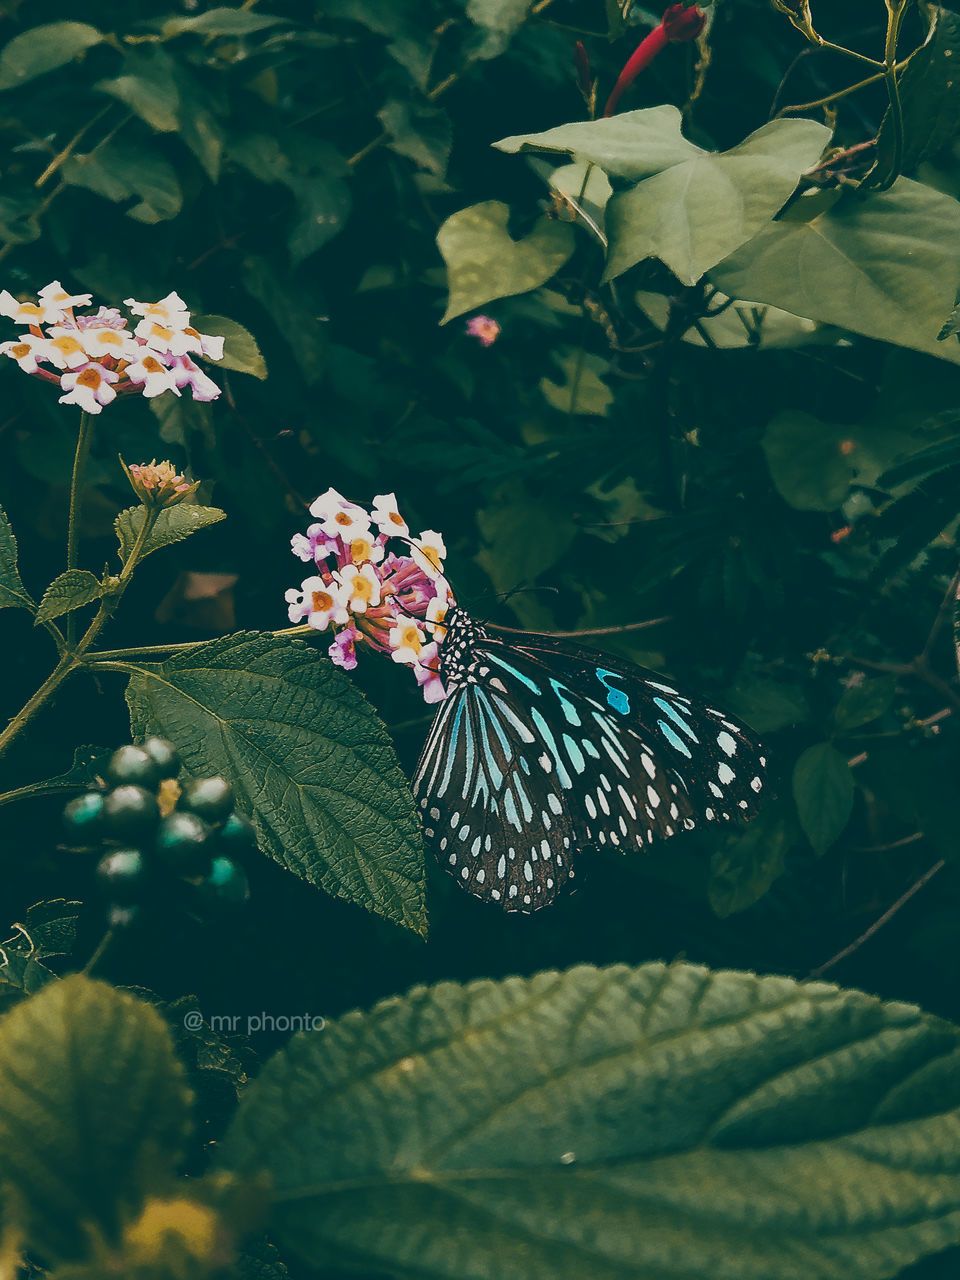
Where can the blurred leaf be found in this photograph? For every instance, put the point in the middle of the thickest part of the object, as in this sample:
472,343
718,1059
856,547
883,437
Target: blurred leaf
929,100
694,214
295,310
148,86
884,264
673,1120
173,525
120,171
743,869
76,1060
484,262
289,730
582,390
864,702
240,350
525,535
72,589
222,21
634,145
740,324
809,460
498,20
423,134
260,1261
12,591
44,48
823,791
323,205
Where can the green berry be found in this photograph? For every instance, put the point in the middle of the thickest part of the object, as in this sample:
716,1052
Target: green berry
183,842
83,816
209,798
129,812
123,916
164,756
226,885
122,874
238,835
133,764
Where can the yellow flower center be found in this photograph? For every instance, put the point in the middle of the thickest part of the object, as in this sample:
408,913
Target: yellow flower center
361,588
322,601
361,549
432,555
396,517
410,639
20,350
152,365
109,338
89,378
68,345
342,518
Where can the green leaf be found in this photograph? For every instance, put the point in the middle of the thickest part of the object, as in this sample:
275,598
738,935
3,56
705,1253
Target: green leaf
42,49
88,764
173,525
307,757
50,929
423,134
809,460
582,389
72,589
864,702
120,171
634,145
743,870
240,350
694,214
882,264
484,262
12,591
222,21
148,86
498,21
297,311
323,206
93,1112
929,100
739,324
823,791
664,1122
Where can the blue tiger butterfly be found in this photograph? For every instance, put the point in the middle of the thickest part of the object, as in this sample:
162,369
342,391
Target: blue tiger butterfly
542,748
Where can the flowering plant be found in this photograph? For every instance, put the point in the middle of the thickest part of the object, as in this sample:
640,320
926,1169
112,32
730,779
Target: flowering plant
95,358
365,592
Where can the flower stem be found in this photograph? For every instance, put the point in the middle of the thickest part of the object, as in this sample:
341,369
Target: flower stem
100,951
84,440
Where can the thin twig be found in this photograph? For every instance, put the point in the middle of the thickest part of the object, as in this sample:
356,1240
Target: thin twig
878,924
593,631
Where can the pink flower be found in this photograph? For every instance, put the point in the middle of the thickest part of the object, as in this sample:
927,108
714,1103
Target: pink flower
485,329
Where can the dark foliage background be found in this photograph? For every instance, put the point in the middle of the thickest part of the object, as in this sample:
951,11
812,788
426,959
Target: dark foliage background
293,177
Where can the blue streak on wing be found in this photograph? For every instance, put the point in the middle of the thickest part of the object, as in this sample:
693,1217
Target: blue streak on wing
676,718
517,675
674,739
616,698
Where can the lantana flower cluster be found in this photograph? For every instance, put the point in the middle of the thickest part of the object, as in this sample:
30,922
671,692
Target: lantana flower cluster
95,358
367,592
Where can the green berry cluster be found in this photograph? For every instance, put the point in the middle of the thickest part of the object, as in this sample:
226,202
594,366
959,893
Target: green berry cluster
147,830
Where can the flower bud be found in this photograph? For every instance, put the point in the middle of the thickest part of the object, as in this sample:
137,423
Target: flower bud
158,484
682,23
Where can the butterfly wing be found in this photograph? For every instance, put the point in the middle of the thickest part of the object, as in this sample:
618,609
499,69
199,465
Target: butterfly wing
494,817
686,747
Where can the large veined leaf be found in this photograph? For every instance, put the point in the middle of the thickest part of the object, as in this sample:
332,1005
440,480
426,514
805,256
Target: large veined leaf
633,145
696,213
12,590
823,791
485,262
306,755
94,1111
886,265
664,1122
173,524
41,49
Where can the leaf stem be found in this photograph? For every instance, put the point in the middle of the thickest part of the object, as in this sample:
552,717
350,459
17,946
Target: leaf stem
100,951
895,12
84,440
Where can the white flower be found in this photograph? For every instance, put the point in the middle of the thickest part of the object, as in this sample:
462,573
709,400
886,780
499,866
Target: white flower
437,611
386,516
170,311
27,350
428,552
89,388
186,373
366,548
361,585
340,518
104,340
406,641
154,377
55,302
65,348
319,602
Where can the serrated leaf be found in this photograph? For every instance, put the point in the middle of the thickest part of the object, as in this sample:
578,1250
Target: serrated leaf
823,792
72,589
929,100
663,1121
884,264
498,20
12,591
809,460
694,214
173,525
864,702
94,1112
633,145
240,350
307,757
484,262
32,53
50,929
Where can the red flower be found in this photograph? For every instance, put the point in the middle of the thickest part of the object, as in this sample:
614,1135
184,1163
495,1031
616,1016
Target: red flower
679,24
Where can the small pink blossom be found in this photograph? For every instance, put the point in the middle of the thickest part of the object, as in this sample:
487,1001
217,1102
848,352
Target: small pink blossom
485,329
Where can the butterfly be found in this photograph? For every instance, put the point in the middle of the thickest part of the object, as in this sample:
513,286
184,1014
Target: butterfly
542,749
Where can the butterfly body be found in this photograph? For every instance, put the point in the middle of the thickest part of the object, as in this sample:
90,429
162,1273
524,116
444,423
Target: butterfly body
542,748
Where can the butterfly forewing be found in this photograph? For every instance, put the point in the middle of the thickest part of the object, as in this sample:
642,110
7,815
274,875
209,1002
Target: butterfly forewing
543,748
